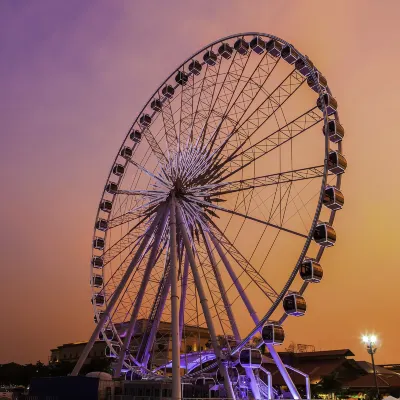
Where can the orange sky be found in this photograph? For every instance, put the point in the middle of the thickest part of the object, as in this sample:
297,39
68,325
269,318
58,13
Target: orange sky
75,74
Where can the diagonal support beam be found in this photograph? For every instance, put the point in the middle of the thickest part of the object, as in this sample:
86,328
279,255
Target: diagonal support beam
132,323
253,314
204,303
176,360
228,307
117,293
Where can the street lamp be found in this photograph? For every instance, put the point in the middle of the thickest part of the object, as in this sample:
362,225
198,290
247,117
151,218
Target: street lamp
370,341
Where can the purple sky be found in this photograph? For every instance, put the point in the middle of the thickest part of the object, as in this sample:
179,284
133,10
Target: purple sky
73,76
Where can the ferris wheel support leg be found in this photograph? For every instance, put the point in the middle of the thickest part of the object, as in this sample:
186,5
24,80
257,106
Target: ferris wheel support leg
176,359
185,277
204,304
140,295
156,322
249,372
285,375
116,294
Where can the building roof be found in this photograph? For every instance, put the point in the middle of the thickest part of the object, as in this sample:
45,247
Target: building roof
320,354
368,381
367,367
315,369
327,353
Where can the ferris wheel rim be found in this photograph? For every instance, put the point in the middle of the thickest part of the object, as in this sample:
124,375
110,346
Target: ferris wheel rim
323,184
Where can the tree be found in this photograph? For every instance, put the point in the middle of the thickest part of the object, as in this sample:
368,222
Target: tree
327,385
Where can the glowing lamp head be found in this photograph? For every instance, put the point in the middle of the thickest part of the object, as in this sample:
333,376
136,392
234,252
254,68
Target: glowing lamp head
369,339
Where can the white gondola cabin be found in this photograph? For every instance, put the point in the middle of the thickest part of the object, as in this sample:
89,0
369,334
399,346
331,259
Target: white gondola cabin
210,58
156,105
337,164
274,48
98,317
225,50
241,46
294,304
233,375
97,262
98,299
136,136
324,235
304,67
335,131
289,54
181,78
101,224
195,67
273,333
145,120
257,44
106,206
168,91
329,102
118,169
250,358
97,281
333,198
311,271
111,187
315,84
98,243
126,152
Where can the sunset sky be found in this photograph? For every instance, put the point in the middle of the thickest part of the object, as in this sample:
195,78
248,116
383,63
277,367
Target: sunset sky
74,75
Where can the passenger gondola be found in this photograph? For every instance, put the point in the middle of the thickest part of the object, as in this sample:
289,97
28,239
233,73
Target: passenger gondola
294,304
273,333
333,198
250,358
311,271
241,46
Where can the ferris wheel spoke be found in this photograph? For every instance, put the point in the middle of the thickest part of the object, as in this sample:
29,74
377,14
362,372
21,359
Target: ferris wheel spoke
247,95
218,236
131,238
232,212
223,188
155,147
171,136
273,141
186,112
150,174
147,209
274,101
217,105
204,103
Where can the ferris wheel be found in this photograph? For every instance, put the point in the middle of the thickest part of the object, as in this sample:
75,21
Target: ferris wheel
216,212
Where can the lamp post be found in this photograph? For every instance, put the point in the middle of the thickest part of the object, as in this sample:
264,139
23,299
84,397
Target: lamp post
370,342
